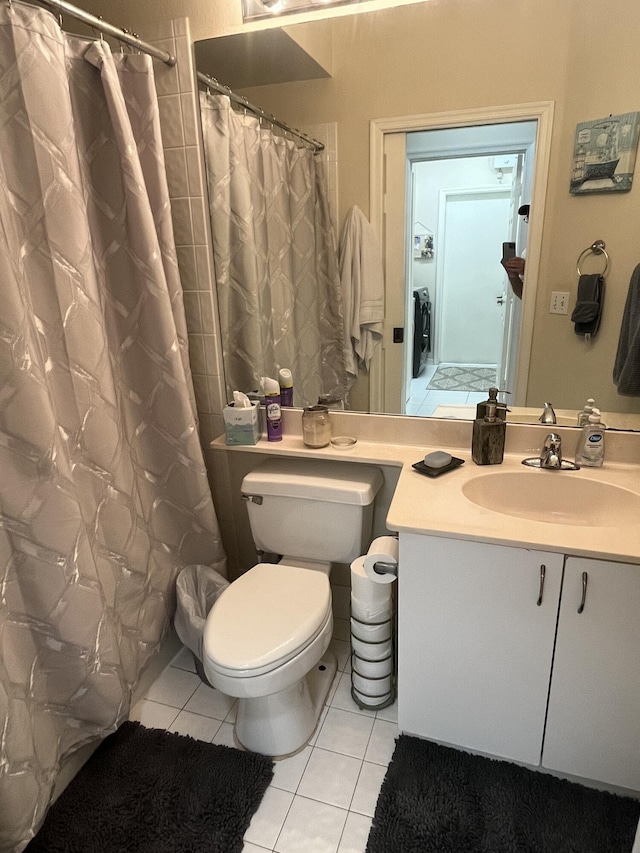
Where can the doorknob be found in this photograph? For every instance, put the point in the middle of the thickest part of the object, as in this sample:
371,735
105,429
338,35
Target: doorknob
500,300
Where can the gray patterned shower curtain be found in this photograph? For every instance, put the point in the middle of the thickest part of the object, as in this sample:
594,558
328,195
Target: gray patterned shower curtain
276,263
103,490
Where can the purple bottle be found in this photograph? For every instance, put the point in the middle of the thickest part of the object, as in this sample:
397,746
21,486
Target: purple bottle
272,406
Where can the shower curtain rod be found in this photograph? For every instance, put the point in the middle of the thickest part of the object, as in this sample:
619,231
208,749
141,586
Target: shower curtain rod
121,34
207,80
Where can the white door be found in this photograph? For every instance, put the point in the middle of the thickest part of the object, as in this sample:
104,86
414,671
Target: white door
593,724
471,281
394,251
474,646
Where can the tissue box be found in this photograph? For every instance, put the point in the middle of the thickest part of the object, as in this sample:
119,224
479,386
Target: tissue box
241,426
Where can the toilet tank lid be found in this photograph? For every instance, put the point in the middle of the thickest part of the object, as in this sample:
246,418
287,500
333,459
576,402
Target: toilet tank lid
316,479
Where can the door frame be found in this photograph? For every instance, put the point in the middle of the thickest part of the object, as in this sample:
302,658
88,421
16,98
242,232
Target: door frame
445,195
542,113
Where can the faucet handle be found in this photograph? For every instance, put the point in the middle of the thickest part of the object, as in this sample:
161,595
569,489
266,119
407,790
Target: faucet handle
552,442
548,416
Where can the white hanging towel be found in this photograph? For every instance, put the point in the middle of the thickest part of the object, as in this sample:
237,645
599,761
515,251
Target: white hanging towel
362,280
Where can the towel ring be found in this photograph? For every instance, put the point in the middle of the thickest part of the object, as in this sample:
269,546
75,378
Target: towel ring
598,248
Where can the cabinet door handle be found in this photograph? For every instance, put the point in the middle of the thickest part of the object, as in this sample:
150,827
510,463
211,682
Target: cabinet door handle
585,578
543,571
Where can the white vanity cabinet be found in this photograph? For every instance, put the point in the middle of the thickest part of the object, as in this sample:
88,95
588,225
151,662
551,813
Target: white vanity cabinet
593,724
477,666
474,646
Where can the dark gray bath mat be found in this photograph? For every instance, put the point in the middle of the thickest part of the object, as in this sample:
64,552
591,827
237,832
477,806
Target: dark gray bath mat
439,800
151,791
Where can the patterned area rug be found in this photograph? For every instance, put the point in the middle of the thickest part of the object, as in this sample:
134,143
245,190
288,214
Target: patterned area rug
462,377
440,800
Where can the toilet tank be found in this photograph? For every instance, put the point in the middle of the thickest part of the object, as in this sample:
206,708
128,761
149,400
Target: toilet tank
312,509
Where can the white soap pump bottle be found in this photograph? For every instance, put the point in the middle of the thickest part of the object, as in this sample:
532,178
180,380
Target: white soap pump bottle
590,452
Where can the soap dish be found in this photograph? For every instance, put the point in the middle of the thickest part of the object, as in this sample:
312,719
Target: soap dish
343,441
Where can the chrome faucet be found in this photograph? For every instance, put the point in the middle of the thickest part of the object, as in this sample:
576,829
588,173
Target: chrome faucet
551,453
548,416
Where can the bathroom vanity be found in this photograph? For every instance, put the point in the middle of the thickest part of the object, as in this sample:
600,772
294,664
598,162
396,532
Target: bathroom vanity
518,596
488,635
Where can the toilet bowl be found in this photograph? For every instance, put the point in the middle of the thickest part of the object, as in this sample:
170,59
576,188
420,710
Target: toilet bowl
284,631
266,638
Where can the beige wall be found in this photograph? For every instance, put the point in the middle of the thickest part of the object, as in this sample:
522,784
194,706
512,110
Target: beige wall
460,54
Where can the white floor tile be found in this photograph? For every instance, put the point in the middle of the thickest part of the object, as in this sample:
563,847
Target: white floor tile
342,651
330,778
153,715
184,660
390,713
382,742
345,732
224,735
334,686
173,687
342,697
366,794
195,725
253,848
311,827
233,713
323,717
210,702
267,822
287,772
355,834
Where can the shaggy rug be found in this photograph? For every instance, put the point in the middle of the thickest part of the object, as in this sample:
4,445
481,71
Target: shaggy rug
435,799
462,377
151,791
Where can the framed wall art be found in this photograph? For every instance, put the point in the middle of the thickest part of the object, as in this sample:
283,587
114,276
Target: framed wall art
604,154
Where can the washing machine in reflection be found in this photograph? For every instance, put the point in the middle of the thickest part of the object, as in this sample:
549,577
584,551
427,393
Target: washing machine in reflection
421,329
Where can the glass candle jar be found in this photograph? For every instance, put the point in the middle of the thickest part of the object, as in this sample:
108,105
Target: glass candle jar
316,428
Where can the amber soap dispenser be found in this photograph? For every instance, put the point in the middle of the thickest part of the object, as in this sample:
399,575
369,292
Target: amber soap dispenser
487,444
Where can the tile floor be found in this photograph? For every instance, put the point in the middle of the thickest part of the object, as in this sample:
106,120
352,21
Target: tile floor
320,800
422,402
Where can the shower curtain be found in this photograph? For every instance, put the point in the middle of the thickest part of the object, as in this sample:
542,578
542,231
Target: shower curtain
276,263
103,490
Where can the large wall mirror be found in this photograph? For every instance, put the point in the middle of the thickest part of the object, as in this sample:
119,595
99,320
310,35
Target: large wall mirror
337,75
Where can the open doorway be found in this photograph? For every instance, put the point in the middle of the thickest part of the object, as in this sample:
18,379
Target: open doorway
468,185
512,144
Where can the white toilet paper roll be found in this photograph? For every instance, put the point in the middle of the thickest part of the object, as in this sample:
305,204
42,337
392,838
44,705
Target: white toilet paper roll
371,651
371,668
384,549
371,633
369,597
368,701
373,687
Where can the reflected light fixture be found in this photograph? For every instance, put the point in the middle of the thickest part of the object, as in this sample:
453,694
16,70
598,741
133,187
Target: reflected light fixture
254,10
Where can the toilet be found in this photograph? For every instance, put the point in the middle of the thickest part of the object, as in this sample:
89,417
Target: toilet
266,638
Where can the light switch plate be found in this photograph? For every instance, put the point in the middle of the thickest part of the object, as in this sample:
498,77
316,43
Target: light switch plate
559,302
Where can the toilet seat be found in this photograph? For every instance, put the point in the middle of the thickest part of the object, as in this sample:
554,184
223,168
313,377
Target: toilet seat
264,619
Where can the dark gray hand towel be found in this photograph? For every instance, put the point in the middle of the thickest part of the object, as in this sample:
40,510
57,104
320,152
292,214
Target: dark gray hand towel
626,370
586,315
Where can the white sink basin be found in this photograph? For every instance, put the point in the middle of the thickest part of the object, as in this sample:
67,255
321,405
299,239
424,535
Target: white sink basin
555,497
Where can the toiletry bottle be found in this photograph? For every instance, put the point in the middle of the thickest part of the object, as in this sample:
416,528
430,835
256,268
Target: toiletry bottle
272,406
590,452
286,387
501,411
487,445
583,416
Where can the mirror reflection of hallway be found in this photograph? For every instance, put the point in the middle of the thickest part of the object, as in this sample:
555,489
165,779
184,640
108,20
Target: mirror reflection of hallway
465,185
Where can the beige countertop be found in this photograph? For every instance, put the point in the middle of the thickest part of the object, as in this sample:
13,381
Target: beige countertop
437,506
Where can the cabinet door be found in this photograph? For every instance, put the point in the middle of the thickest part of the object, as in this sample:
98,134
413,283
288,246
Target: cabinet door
593,725
474,646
